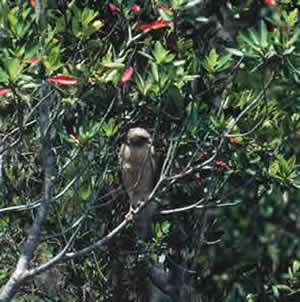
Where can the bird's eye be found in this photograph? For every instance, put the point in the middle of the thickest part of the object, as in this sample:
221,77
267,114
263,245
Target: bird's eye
138,141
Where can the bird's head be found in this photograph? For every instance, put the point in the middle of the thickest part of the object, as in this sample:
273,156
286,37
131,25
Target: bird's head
138,137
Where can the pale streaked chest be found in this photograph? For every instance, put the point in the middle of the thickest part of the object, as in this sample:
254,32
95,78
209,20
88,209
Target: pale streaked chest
137,165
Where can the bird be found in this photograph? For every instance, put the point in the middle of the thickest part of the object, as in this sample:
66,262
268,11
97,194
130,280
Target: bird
138,165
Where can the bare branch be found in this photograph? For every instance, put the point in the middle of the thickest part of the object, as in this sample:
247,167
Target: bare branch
33,239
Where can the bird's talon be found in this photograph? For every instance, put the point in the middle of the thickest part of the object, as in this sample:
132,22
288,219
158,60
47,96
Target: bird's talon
129,216
135,210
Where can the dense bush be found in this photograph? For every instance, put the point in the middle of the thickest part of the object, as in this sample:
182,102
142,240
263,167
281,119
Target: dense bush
216,83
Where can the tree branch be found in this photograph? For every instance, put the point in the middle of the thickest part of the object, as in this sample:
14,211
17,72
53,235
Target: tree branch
33,239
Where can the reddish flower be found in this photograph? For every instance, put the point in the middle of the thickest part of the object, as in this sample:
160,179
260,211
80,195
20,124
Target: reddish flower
4,91
270,2
197,176
233,140
178,170
135,8
126,76
32,3
154,25
221,163
111,7
63,79
35,59
164,7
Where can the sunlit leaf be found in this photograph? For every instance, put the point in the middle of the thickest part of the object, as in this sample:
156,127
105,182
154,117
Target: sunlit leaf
14,69
263,34
85,192
293,17
154,69
235,52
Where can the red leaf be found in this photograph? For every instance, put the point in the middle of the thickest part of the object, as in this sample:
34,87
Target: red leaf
32,3
178,170
135,8
35,59
154,25
126,76
233,140
270,2
76,140
164,7
221,163
197,176
111,7
63,79
4,91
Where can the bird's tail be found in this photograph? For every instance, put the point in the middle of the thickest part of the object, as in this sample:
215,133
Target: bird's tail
144,220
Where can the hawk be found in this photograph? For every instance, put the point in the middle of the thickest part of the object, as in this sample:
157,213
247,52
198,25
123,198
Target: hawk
138,172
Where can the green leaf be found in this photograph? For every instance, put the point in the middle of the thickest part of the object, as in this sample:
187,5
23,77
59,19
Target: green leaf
294,38
293,17
13,19
52,60
275,291
254,37
235,52
60,24
161,55
76,28
154,69
3,76
224,62
94,27
210,61
250,43
263,34
77,12
296,266
139,82
4,273
165,227
158,52
113,65
175,97
30,52
213,57
109,76
85,192
14,69
166,15
146,55
109,128
292,161
284,287
87,16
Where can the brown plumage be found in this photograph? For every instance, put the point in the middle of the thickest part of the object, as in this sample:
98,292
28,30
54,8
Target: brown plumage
138,172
